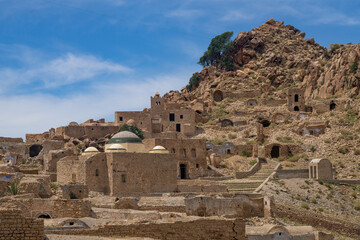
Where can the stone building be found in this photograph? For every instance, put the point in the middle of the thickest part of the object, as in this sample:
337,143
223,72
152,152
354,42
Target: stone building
163,119
117,172
296,99
321,169
190,155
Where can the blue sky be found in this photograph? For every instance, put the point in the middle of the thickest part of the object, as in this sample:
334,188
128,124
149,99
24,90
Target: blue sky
72,60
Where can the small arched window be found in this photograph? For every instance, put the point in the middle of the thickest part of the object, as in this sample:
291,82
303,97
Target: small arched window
97,172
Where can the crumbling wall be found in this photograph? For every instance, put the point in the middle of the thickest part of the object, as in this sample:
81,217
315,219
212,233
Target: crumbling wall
239,206
14,226
55,208
195,229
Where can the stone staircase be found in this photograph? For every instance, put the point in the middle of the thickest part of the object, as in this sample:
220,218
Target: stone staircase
251,183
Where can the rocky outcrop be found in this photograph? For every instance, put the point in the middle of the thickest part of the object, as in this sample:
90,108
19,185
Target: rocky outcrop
273,57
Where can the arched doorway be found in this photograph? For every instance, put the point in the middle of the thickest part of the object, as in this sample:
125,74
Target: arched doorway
296,108
275,152
332,105
226,122
218,96
35,150
265,123
182,171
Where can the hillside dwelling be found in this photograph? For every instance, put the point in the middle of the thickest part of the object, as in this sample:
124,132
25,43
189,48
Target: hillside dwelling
226,122
251,102
313,128
296,99
321,169
326,105
276,150
162,120
279,118
121,170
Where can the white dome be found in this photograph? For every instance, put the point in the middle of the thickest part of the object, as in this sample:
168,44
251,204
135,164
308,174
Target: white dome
159,148
116,146
125,134
91,149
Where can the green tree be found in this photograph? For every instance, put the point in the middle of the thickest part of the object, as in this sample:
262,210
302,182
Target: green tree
194,81
133,129
218,46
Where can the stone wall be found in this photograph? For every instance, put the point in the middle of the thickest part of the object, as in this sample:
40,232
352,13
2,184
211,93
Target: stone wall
16,227
317,220
95,131
141,172
195,229
292,173
239,206
57,208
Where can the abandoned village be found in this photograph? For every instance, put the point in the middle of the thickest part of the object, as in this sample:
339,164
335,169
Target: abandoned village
268,150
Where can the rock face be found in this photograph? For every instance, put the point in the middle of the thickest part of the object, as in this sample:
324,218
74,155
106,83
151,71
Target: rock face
275,56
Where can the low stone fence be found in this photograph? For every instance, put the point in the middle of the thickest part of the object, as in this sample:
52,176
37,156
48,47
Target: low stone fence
291,173
193,229
239,206
342,181
317,220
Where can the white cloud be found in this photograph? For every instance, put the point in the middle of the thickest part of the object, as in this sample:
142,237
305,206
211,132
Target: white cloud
37,113
235,15
184,13
60,71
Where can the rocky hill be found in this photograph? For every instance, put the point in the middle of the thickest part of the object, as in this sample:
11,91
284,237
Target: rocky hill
274,57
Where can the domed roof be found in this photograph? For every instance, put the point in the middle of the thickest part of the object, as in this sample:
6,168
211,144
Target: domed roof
116,146
125,137
158,148
91,149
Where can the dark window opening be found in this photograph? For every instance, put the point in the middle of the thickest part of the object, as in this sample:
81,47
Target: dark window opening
275,152
71,223
197,165
197,111
173,150
72,196
296,108
97,172
178,127
172,117
181,116
265,123
228,151
44,216
35,150
182,171
121,119
332,106
123,178
296,98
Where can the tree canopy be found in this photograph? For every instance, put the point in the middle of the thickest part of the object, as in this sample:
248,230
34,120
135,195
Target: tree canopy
133,129
218,45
